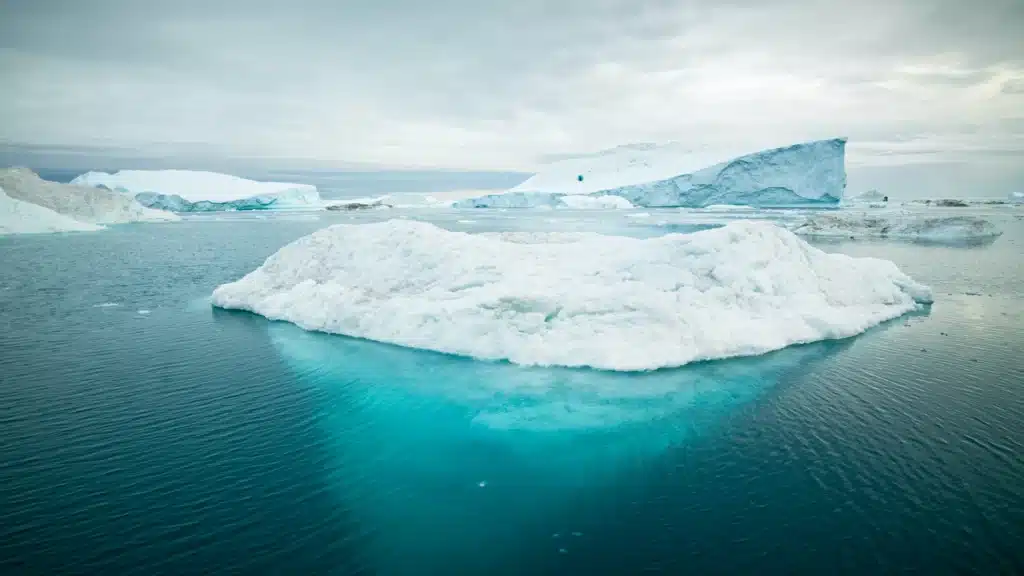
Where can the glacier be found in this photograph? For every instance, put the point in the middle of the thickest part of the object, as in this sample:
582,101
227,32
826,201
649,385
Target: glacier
85,204
807,174
200,191
20,217
899,226
574,299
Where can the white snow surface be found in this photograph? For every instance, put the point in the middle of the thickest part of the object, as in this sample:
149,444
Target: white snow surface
20,217
91,205
900,225
199,186
574,299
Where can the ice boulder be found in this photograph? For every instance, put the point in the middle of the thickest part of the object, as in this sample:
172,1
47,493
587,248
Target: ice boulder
20,217
197,191
85,204
906,226
574,299
807,174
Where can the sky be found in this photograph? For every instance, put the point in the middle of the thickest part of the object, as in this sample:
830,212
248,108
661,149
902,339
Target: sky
504,85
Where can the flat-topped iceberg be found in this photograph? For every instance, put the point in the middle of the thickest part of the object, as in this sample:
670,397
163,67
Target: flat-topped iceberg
85,204
576,299
807,174
20,217
899,226
198,191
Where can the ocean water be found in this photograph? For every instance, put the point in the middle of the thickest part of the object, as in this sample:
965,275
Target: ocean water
143,432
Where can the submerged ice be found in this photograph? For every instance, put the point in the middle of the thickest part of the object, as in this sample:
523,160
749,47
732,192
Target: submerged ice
577,299
501,456
199,191
806,174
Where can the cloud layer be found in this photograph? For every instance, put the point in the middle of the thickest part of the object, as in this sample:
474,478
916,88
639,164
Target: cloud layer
468,84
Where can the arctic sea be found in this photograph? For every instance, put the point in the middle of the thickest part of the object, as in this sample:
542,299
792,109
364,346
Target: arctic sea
144,432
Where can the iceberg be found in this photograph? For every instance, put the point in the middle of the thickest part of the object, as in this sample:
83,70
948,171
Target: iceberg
574,299
198,191
90,205
20,217
808,174
902,226
1017,197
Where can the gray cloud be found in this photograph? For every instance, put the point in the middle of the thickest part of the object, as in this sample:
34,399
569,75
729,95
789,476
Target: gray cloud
461,83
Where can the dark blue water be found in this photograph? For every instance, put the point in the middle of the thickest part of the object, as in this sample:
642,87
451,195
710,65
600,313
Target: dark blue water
156,435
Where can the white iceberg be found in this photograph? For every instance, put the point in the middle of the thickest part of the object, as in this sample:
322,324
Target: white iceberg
1017,197
198,191
90,205
903,226
867,197
577,299
20,217
807,174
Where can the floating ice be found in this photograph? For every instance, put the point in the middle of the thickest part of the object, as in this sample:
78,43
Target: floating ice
82,203
1017,197
20,217
807,174
197,191
905,226
577,299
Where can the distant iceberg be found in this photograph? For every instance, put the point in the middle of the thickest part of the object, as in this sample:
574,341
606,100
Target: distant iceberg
197,191
807,174
20,217
1017,197
90,205
574,299
902,226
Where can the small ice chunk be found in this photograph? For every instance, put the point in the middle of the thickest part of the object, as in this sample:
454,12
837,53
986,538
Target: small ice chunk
144,312
482,484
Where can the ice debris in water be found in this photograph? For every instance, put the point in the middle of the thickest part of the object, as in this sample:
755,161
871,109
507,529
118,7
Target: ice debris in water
574,299
908,226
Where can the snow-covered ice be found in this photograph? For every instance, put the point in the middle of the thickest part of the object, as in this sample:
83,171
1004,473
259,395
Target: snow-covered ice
199,191
901,225
577,299
20,217
806,174
85,204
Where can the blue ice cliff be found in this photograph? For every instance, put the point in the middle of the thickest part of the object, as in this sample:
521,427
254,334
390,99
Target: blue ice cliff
807,174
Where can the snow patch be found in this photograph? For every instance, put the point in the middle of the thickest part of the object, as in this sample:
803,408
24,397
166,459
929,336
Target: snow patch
577,299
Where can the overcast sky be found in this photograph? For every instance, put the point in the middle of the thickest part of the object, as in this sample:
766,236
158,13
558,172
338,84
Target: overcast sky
499,85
